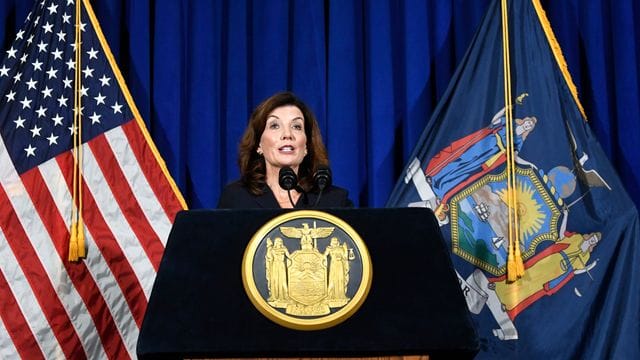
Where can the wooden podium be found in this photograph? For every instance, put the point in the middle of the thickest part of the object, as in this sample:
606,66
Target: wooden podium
199,309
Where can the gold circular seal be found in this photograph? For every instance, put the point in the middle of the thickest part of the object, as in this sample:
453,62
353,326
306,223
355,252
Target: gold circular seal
306,270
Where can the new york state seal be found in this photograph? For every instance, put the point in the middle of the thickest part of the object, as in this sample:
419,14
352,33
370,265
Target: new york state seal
306,270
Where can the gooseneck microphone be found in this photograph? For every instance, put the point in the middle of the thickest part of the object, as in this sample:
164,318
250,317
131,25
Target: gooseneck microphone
322,177
287,179
322,180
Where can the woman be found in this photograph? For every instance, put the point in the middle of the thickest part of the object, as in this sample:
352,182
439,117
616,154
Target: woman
338,270
282,132
276,260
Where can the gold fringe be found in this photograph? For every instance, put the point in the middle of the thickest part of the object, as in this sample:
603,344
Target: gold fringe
557,52
131,103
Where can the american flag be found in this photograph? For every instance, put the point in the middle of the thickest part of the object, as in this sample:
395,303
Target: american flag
51,307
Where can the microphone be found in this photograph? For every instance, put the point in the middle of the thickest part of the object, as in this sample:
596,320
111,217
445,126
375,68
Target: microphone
287,179
322,180
322,177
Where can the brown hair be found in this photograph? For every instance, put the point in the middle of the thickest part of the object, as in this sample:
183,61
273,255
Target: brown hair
252,165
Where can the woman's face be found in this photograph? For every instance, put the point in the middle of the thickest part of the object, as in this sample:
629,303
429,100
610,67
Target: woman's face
283,141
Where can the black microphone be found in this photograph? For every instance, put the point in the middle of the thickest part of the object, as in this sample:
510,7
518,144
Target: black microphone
322,177
322,180
287,179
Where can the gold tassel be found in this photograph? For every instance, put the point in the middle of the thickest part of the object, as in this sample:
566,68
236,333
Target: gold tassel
77,248
511,263
73,243
82,252
519,265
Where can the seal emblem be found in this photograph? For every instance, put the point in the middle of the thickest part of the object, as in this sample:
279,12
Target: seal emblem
306,270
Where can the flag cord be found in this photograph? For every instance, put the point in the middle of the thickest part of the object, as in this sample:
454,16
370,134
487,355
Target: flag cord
515,266
76,242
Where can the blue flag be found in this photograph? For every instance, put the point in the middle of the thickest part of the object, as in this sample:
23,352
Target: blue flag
579,296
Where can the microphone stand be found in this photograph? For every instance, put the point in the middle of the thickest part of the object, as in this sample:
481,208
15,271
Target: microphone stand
290,198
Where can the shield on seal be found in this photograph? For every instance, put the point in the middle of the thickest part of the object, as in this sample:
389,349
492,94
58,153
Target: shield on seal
307,277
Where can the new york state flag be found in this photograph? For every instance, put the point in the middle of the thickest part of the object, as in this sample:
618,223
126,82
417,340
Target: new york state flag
578,230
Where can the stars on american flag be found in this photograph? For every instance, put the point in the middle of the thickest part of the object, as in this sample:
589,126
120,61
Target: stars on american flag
95,118
42,46
57,120
42,111
31,84
93,54
53,139
62,101
12,53
47,28
52,73
26,103
88,72
31,151
116,108
19,122
39,67
53,9
57,54
100,99
35,131
46,92
104,80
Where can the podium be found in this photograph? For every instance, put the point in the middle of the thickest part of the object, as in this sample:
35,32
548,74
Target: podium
199,309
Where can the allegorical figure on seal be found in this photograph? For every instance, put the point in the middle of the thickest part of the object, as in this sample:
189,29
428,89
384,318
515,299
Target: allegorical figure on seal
276,259
338,270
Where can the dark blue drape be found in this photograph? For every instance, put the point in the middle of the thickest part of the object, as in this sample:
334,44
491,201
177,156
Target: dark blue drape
373,72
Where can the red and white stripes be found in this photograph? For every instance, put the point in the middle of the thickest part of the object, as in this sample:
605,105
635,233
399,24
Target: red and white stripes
52,308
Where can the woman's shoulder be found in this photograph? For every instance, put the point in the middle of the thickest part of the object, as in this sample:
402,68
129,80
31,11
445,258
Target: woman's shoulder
234,194
332,196
336,190
236,185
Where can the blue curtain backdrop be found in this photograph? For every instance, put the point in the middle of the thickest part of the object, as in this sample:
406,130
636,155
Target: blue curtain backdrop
373,71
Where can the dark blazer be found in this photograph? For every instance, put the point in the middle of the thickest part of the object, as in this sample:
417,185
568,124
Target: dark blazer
237,196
